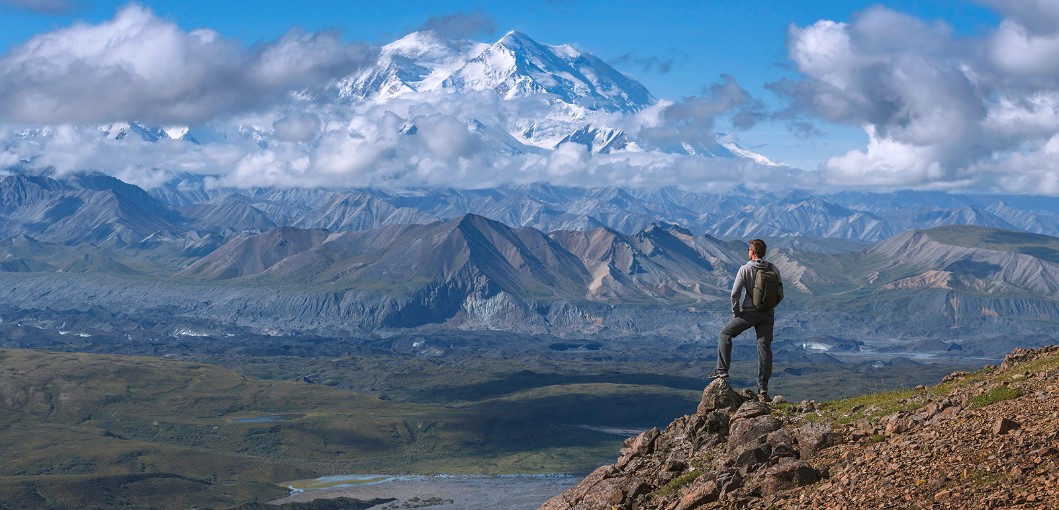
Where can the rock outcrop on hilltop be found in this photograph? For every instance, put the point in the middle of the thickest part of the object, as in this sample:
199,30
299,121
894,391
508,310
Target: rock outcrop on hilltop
983,440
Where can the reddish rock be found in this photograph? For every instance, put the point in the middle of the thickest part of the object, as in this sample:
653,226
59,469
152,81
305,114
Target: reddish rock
639,446
704,490
813,437
898,424
595,491
788,475
1004,425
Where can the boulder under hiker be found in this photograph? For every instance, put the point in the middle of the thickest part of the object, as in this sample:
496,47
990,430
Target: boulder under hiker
758,288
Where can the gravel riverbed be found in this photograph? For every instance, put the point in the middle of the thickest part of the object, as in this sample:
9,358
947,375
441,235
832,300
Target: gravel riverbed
445,492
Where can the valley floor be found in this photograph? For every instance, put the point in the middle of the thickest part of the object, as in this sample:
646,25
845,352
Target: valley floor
451,492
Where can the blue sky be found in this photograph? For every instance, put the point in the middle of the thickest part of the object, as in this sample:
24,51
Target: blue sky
698,40
677,49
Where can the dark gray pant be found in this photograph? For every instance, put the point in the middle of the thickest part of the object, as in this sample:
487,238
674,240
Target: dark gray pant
762,322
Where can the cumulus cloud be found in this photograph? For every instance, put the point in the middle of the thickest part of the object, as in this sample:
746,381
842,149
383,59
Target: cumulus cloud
266,116
297,126
941,111
1039,17
435,140
692,121
139,66
460,25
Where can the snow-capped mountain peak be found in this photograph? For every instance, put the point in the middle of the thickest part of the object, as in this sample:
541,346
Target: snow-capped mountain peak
417,62
429,47
517,66
728,142
518,98
600,140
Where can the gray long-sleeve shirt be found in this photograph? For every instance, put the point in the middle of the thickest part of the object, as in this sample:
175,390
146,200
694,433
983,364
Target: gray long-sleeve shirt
744,283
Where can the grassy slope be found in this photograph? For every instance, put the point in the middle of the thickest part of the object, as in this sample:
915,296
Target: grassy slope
988,384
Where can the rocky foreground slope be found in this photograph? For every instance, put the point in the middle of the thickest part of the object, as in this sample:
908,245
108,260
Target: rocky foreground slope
984,440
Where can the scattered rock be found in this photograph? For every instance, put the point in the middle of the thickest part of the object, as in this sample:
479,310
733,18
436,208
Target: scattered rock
953,376
704,490
1004,425
749,457
898,424
788,475
813,437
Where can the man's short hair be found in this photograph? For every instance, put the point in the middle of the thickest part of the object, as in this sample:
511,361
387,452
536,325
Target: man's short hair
759,247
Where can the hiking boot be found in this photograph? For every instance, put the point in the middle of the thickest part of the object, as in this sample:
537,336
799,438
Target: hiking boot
719,374
763,396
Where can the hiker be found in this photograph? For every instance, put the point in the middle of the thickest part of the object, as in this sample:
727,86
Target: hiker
759,288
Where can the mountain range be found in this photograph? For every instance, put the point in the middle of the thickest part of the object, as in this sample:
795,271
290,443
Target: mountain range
538,260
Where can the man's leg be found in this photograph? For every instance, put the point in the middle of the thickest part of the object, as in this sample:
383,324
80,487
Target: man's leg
724,342
764,330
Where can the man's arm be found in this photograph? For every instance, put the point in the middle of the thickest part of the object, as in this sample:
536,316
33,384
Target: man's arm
737,289
780,276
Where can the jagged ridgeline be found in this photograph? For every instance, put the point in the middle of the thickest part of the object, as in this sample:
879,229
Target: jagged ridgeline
535,259
977,440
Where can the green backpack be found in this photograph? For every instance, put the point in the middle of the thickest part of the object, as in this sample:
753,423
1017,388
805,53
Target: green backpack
768,289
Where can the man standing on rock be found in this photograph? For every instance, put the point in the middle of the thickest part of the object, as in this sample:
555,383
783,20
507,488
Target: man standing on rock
759,286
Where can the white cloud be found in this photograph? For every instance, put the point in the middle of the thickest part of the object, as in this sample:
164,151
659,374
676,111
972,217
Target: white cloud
1016,50
297,126
140,67
1038,16
8,159
941,111
693,120
569,158
892,164
256,132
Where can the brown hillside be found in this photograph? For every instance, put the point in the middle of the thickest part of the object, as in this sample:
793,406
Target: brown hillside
984,440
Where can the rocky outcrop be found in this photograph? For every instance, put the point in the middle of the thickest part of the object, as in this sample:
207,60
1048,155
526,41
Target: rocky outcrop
731,442
984,440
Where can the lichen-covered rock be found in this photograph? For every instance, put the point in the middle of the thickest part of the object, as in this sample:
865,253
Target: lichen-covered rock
751,430
783,443
813,437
